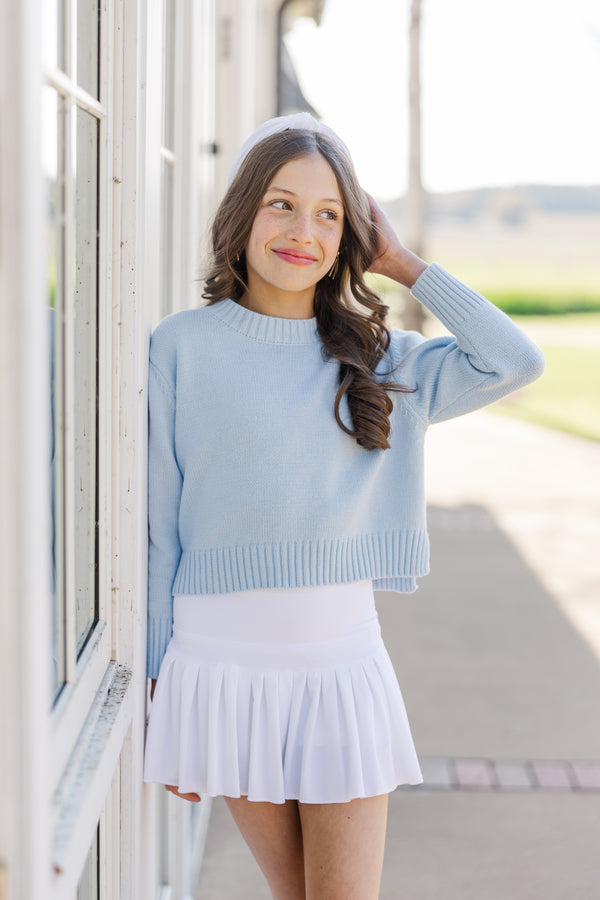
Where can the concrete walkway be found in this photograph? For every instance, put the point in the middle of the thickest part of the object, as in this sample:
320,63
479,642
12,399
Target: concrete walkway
498,657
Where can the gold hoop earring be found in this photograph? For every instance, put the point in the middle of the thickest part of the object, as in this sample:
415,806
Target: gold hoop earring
333,270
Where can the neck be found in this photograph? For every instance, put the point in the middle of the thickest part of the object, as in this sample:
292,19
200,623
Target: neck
281,304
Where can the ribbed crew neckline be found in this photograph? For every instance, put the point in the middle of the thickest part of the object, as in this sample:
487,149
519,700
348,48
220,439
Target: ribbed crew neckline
266,329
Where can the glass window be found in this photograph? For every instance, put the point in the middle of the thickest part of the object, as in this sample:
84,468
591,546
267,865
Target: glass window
89,882
168,116
167,177
168,161
53,164
52,33
70,158
88,45
85,374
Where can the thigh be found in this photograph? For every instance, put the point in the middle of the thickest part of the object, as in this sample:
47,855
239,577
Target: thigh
274,835
343,848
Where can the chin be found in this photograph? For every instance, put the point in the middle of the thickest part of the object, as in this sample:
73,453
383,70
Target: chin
294,286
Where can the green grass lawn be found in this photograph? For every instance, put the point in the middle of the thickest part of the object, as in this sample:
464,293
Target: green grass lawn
546,277
549,266
567,396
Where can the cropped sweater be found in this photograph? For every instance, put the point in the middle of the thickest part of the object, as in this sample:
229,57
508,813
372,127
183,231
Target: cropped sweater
253,484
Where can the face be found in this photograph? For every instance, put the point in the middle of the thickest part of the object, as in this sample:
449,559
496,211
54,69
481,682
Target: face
295,237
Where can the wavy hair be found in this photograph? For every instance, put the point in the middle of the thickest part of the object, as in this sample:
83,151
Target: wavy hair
350,316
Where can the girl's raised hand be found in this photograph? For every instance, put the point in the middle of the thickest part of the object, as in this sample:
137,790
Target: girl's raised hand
392,258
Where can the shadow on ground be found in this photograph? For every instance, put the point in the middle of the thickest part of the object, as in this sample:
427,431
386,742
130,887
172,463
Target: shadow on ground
490,667
488,663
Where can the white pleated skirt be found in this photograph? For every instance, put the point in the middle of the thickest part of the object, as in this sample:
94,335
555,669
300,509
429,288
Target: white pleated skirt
280,694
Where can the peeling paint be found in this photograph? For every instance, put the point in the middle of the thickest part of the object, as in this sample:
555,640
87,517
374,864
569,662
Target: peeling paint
92,757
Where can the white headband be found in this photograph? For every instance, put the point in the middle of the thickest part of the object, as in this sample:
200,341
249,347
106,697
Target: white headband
301,120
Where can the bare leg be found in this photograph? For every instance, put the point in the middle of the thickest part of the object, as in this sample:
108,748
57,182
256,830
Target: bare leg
274,835
343,848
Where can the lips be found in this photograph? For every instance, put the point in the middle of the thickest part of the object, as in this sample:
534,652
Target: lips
295,257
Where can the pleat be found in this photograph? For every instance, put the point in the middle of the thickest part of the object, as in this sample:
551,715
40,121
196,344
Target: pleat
324,734
354,712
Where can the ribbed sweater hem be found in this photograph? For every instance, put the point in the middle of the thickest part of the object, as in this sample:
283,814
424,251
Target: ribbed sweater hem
395,554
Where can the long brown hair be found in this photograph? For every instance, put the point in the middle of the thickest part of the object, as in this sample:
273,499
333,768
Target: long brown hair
350,316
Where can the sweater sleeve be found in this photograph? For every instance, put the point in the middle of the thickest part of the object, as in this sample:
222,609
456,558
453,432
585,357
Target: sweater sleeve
487,357
164,496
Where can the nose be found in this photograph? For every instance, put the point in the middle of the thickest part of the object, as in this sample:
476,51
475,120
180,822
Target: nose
300,228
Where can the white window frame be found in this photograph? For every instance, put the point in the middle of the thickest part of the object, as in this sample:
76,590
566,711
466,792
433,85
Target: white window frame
84,675
92,719
66,771
24,413
179,838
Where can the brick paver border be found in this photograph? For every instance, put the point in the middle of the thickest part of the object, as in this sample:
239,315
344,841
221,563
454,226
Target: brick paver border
478,774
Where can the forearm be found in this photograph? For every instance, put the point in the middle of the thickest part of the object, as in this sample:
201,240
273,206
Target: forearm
485,357
403,266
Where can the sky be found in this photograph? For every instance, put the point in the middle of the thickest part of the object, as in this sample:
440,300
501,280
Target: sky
510,89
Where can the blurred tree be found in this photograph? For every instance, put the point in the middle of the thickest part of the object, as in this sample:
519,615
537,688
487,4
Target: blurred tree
413,314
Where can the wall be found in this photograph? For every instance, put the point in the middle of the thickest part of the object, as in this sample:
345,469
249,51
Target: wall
124,120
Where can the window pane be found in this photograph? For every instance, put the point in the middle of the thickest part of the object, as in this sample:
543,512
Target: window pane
89,883
85,388
53,33
53,168
168,122
166,237
88,42
164,844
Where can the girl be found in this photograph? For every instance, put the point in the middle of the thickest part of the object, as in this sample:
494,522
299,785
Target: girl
285,483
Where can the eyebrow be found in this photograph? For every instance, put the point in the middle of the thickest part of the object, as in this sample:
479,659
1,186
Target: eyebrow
281,190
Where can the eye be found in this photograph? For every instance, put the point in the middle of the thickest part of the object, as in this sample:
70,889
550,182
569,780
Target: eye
328,214
281,204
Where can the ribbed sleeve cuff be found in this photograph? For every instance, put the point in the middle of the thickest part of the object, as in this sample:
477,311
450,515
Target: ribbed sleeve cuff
159,635
451,301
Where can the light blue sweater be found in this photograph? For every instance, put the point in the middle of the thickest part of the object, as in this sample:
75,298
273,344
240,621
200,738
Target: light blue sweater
252,484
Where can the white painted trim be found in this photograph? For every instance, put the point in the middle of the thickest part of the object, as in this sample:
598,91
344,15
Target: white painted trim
105,301
194,836
118,238
85,674
96,765
109,862
80,795
245,62
25,663
208,137
71,708
152,142
70,45
189,151
67,88
134,193
69,388
148,888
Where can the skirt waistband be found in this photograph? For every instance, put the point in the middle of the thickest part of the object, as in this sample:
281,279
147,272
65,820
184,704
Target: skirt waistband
278,614
321,654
